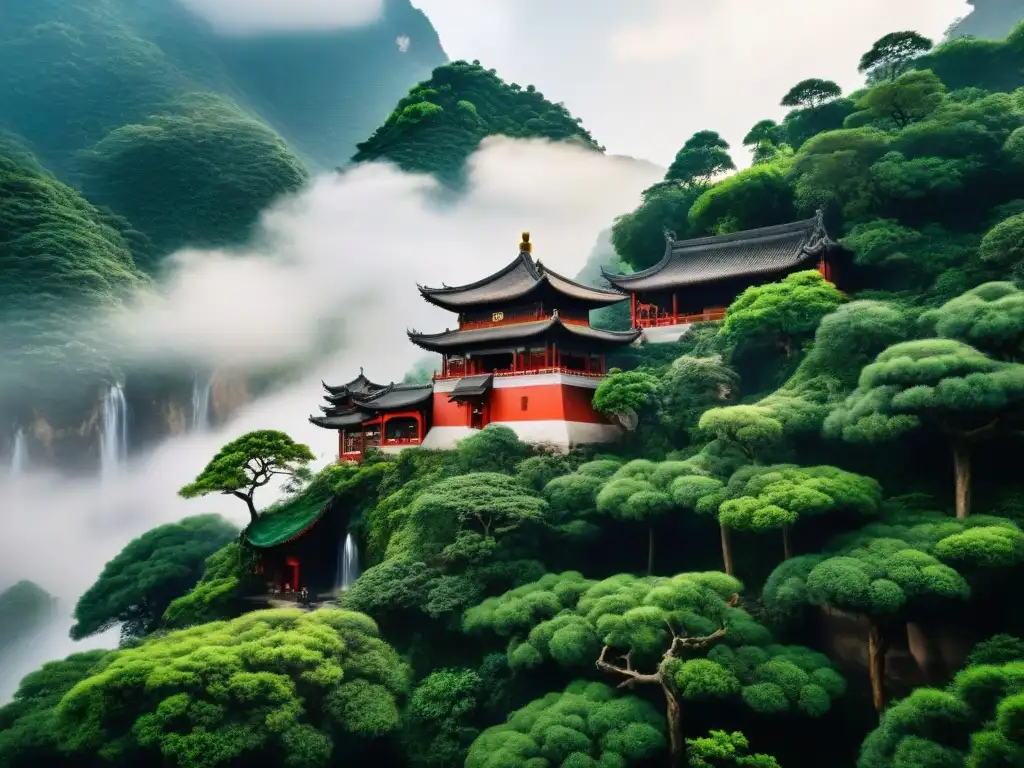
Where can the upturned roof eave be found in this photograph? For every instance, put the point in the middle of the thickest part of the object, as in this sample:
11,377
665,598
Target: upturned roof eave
430,341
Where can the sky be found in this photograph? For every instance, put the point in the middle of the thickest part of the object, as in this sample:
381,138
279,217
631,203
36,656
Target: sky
645,75
251,17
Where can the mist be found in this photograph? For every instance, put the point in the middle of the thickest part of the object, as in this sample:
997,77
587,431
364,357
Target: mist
330,281
254,17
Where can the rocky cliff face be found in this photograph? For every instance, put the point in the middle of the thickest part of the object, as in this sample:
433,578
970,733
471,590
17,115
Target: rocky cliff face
156,406
993,19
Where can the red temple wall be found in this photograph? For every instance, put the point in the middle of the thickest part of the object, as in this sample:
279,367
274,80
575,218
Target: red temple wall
552,402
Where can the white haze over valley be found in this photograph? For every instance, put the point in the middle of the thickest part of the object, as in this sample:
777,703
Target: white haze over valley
343,256
254,17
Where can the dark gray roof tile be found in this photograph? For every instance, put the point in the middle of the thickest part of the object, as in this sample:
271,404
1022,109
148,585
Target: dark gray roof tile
351,419
754,252
472,386
396,396
515,281
454,340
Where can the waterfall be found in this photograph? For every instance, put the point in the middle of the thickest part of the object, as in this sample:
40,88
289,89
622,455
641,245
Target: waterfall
201,402
114,435
348,564
19,456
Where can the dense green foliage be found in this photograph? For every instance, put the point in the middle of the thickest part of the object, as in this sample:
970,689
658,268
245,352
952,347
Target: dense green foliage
308,684
585,725
442,121
28,723
226,574
25,610
974,722
136,587
216,202
720,749
151,112
249,463
62,260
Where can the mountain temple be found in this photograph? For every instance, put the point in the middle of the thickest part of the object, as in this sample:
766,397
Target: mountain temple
389,417
523,355
696,280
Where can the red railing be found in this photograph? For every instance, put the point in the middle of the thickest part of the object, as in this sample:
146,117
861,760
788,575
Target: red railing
501,373
662,319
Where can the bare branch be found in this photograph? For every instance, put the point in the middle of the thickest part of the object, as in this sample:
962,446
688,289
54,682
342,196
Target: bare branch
681,644
632,676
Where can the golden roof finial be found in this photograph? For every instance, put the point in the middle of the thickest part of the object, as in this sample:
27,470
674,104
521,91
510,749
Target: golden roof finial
526,246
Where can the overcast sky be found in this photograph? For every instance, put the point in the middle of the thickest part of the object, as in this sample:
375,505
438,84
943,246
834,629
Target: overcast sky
646,74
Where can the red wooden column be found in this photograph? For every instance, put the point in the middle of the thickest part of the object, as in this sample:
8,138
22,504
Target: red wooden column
293,563
675,308
632,308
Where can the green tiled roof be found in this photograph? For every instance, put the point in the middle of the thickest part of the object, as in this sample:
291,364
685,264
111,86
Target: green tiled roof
289,520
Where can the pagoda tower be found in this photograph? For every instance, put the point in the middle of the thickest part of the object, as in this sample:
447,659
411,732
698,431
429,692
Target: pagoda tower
388,417
524,355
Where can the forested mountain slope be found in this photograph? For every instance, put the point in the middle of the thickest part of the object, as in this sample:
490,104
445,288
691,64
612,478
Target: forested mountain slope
61,259
105,92
441,121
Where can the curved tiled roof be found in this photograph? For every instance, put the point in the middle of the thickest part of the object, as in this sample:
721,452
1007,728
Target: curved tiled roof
754,252
288,521
453,340
515,281
396,396
351,418
381,398
360,385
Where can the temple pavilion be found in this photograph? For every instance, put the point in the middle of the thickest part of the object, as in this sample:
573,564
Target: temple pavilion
696,280
389,417
523,355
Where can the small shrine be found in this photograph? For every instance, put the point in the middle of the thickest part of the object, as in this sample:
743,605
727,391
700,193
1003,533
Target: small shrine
389,417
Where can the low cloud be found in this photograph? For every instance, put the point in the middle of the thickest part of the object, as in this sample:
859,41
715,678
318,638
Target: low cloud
336,267
251,17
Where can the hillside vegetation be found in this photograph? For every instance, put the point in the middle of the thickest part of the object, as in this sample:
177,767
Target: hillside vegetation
62,260
441,121
107,92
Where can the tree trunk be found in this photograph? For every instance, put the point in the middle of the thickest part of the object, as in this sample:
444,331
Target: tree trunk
787,542
726,549
878,644
674,722
921,649
787,346
650,549
962,476
253,514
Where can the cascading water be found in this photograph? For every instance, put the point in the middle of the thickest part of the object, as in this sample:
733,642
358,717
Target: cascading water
348,564
114,436
19,456
201,402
